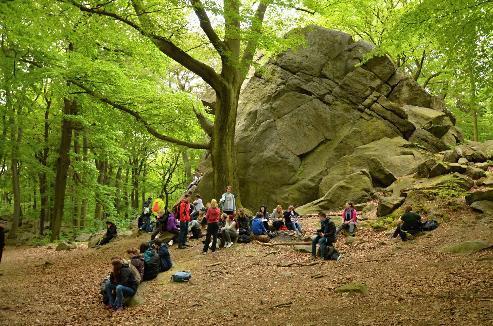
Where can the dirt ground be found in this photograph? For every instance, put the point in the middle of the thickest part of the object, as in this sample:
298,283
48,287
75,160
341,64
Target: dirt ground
409,283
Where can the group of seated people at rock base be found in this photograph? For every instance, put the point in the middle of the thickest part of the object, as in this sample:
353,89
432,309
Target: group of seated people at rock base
126,275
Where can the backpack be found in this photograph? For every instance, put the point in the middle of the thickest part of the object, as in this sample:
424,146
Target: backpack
429,225
181,276
151,264
134,271
244,238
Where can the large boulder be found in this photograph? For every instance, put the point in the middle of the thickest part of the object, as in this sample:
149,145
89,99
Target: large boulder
318,124
479,195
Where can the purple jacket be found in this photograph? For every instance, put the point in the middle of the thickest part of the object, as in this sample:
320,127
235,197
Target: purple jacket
171,223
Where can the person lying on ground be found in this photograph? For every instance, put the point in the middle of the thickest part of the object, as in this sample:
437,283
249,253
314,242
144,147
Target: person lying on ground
164,256
349,219
410,223
198,205
277,217
151,261
194,229
110,233
228,201
229,231
212,218
326,236
184,216
136,260
122,284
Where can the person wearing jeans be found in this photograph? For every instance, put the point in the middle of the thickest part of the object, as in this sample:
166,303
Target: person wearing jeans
325,235
349,219
212,217
122,284
184,214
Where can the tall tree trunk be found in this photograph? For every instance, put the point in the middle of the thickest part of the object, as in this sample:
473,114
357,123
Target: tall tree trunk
223,152
62,166
76,183
126,195
186,163
102,167
16,138
83,205
475,130
43,191
135,184
118,191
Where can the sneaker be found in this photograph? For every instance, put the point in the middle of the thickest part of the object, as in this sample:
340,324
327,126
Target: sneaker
204,252
229,244
170,243
339,257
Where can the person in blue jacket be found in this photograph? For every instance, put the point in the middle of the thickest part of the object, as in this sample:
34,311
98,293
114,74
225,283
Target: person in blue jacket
258,227
164,256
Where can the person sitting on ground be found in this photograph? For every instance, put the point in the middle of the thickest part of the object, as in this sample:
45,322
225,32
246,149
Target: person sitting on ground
212,217
195,229
164,256
172,227
258,227
136,260
243,222
326,236
162,218
277,217
290,218
265,216
111,232
410,223
204,220
228,202
151,261
198,205
349,219
229,231
122,284
184,215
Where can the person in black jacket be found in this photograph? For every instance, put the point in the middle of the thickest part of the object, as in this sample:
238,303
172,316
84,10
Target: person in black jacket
151,261
122,284
3,224
110,233
164,257
326,236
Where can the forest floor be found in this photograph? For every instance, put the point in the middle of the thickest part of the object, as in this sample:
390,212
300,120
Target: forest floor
408,283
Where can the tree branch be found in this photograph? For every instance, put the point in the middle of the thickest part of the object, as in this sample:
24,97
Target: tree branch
427,81
210,106
140,119
205,24
256,30
207,73
204,123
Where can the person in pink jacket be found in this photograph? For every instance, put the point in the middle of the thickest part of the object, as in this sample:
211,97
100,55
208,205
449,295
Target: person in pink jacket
349,219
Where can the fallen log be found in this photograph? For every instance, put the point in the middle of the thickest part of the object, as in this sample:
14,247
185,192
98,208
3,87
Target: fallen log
285,244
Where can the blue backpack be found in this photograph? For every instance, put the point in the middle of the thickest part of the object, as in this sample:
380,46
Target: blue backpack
181,276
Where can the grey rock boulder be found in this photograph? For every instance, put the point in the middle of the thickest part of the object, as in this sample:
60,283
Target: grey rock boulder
389,204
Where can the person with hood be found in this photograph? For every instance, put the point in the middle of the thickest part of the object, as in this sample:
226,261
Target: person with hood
184,215
349,219
111,232
212,216
228,202
151,261
172,227
122,284
164,256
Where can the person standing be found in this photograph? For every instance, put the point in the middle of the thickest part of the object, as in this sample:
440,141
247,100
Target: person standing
184,214
228,201
212,217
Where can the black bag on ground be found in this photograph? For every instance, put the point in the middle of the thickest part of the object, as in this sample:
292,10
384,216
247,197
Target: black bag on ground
244,238
429,225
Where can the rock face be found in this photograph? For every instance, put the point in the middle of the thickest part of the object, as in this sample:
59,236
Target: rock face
319,125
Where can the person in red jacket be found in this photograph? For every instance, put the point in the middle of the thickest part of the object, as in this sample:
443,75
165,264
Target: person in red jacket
349,219
184,215
212,216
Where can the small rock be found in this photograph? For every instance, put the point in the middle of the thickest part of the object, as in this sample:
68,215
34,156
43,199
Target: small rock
475,173
485,194
463,160
64,246
457,168
84,237
483,206
353,287
450,156
301,248
466,247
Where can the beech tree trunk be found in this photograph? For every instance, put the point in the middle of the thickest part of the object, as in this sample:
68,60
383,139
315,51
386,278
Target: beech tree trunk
186,164
84,203
62,166
16,137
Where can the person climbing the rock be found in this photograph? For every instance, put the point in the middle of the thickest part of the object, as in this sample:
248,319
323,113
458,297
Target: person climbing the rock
410,223
122,284
3,226
111,232
228,201
164,256
212,217
184,216
277,217
349,219
325,237
229,230
198,205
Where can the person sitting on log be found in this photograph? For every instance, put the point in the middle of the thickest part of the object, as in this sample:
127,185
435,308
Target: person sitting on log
325,238
122,284
277,217
349,219
410,223
111,232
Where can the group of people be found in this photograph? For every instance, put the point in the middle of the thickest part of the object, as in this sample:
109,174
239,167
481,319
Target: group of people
126,275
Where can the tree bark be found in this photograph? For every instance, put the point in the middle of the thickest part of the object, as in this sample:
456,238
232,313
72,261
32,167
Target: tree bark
62,166
475,130
84,203
186,164
125,185
118,191
102,168
76,183
16,137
